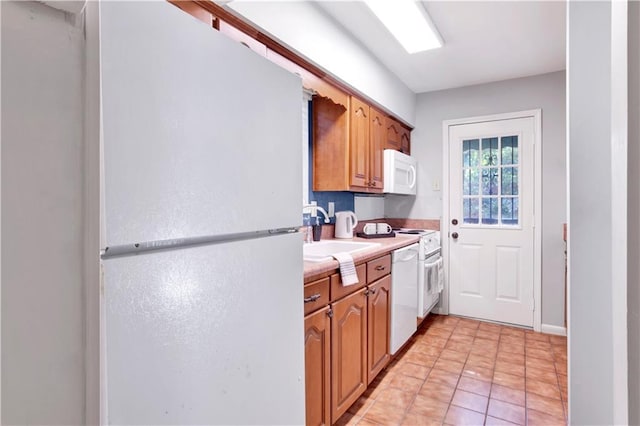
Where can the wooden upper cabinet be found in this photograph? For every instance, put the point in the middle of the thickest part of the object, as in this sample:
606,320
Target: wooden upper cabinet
393,130
330,145
359,144
245,39
379,324
317,358
348,149
405,140
376,149
348,352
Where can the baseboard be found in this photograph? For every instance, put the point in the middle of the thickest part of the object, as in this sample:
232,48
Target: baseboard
553,329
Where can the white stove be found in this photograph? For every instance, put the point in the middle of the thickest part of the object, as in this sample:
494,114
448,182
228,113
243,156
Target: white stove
429,240
430,270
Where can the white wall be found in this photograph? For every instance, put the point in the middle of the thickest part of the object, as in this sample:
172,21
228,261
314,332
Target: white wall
42,135
309,31
545,91
596,156
633,301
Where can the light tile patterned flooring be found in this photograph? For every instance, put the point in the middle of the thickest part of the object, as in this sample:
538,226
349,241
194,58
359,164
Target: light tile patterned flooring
459,371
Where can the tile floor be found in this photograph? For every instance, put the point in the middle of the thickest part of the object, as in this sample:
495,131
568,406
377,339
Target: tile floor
458,371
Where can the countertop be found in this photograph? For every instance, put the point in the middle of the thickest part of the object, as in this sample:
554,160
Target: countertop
316,270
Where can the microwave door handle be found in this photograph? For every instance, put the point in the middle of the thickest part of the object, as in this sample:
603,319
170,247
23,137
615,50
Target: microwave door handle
412,173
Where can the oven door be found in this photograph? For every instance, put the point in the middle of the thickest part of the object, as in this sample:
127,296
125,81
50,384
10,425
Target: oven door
430,283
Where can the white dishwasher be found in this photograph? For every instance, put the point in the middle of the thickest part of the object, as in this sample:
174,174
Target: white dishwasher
404,295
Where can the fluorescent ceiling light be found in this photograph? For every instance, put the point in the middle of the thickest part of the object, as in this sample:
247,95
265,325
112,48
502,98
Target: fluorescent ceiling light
408,22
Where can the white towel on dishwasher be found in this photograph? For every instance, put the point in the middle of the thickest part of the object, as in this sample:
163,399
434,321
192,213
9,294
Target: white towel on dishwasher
347,269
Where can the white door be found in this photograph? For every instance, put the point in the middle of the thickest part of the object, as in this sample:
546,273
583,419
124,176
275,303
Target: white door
491,229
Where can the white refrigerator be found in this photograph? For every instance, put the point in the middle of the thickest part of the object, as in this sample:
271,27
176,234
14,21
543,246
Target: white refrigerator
202,314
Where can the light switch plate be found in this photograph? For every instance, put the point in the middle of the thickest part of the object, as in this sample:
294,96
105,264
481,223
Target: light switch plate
436,185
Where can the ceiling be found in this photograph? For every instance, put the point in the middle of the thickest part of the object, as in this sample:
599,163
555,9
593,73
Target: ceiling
484,41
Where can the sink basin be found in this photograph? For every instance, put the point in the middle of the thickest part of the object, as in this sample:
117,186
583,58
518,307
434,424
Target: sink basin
322,251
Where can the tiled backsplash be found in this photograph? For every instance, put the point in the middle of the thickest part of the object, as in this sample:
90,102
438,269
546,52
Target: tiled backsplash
328,231
404,223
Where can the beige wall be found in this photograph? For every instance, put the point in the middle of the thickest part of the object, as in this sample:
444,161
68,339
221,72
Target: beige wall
545,91
598,233
633,288
42,239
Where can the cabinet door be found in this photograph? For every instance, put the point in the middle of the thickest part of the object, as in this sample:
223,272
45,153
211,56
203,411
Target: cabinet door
376,149
359,143
393,134
348,352
379,312
330,146
317,354
405,140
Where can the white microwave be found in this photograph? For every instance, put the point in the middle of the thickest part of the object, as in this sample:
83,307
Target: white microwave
400,173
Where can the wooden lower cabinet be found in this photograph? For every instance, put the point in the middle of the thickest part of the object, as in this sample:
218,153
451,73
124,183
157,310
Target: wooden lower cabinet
348,352
317,355
379,322
346,342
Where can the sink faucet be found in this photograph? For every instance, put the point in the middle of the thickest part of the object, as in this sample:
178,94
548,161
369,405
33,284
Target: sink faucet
317,208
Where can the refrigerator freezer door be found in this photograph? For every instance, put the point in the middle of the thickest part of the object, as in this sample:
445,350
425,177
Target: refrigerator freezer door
206,335
201,135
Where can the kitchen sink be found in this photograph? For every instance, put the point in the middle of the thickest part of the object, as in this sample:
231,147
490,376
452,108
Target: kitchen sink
322,251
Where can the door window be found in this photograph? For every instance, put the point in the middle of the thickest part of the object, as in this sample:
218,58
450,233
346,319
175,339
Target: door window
490,186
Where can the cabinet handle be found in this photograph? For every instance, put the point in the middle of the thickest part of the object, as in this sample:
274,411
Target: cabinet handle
373,291
312,298
330,313
373,184
366,292
380,268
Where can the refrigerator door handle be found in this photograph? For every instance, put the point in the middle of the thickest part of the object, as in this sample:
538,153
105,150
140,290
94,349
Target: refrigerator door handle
178,243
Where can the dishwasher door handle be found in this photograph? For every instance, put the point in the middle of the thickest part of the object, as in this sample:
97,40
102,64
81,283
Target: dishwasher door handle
406,254
408,257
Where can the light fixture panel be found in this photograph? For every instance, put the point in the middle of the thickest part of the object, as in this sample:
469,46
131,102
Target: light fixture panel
408,22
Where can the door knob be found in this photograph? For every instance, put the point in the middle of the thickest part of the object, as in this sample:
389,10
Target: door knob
454,222
454,235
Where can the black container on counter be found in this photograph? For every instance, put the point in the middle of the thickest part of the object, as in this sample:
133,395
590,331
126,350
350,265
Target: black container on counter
317,232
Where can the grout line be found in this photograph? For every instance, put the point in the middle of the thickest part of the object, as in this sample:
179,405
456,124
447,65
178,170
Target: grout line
438,357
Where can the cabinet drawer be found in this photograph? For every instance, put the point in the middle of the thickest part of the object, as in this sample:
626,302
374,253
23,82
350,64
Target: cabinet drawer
378,268
338,290
316,295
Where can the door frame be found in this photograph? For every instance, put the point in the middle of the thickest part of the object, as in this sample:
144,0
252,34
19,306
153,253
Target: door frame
536,114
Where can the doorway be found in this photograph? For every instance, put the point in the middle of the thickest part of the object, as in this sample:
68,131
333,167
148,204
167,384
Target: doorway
491,234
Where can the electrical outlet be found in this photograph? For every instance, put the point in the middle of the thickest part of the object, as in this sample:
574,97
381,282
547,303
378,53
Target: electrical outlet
314,212
332,209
